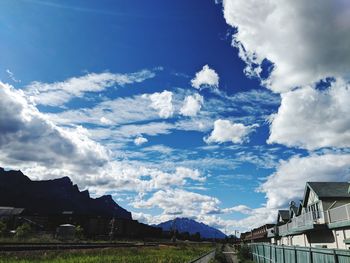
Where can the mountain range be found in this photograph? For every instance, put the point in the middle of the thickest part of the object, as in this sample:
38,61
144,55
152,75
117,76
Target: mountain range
188,225
55,196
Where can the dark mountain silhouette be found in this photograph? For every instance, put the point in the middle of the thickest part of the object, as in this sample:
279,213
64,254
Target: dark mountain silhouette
188,225
51,197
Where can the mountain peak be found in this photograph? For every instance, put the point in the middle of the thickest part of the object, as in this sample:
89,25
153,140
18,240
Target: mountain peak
54,196
183,224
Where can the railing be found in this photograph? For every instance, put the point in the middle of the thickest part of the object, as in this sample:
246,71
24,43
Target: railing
301,221
273,231
267,253
338,214
334,215
283,229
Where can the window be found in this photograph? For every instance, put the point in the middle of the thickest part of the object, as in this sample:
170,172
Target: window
314,209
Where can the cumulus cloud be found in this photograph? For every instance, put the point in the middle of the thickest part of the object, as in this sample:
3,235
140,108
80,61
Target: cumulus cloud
239,208
192,105
58,93
162,101
28,137
312,44
291,176
227,131
312,119
188,204
206,77
31,142
140,140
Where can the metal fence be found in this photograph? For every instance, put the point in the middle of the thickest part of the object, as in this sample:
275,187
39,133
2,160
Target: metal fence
268,253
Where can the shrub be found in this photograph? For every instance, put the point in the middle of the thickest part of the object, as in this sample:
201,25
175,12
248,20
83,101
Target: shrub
23,231
244,253
219,256
3,228
79,232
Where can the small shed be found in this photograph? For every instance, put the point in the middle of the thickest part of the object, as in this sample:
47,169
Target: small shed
65,232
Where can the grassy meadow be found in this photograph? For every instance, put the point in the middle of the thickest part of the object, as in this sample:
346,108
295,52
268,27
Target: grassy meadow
161,254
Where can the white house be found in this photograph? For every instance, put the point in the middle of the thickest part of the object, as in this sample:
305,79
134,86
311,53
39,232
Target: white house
322,218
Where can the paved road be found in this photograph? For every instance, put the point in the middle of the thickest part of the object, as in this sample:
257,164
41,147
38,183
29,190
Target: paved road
230,255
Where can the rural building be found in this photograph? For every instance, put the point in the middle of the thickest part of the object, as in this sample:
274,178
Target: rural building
256,235
322,219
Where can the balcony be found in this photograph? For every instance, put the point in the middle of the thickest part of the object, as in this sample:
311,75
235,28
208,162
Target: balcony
338,216
272,232
301,223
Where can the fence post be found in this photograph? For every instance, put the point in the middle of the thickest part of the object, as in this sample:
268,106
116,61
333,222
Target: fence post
263,249
275,247
310,255
335,256
295,255
270,253
283,257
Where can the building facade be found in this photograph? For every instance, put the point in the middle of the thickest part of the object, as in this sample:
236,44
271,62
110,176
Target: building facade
322,219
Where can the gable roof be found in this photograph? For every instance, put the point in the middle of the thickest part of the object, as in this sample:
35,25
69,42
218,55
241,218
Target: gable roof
284,214
327,190
293,211
10,211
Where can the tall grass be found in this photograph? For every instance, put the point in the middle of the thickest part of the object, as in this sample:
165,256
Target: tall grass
163,254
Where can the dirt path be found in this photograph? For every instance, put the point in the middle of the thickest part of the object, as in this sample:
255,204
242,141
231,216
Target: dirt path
230,254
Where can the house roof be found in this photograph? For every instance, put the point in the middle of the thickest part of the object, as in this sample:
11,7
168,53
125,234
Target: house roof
327,190
293,210
10,211
330,189
284,214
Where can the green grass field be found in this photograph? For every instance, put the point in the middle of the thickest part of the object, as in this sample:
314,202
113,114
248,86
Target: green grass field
162,254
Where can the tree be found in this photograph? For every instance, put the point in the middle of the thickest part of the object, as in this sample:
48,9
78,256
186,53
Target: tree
79,232
23,231
3,228
196,236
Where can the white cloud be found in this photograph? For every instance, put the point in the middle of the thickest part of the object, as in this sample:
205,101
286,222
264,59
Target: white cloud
312,119
106,121
140,140
58,93
206,77
187,204
192,105
163,103
288,182
28,138
165,150
11,76
129,176
243,209
226,131
42,150
110,112
306,40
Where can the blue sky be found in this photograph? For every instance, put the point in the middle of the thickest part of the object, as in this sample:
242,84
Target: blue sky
177,108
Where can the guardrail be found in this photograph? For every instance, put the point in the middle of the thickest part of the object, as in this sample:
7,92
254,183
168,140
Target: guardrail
268,253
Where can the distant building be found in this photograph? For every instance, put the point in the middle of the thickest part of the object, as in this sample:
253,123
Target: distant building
65,232
256,235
